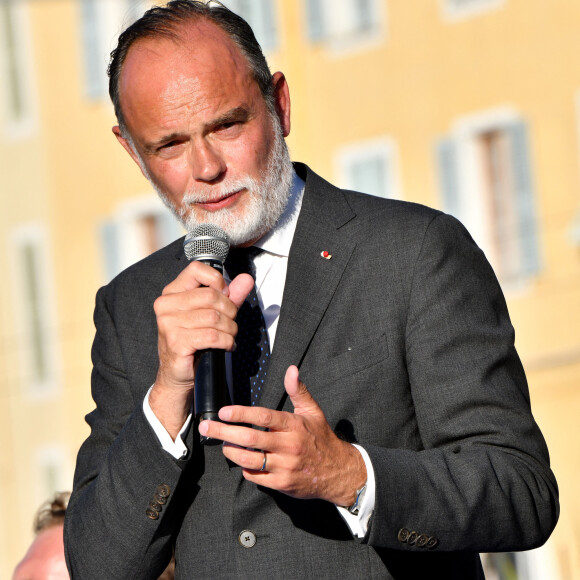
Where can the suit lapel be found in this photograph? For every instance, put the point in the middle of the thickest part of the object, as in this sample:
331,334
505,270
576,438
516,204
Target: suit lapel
311,279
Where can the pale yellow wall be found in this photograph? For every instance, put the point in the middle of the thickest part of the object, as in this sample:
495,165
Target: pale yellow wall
421,75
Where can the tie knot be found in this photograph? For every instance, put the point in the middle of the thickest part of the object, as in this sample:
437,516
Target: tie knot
241,261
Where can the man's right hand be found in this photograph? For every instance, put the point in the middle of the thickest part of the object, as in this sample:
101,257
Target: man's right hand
195,312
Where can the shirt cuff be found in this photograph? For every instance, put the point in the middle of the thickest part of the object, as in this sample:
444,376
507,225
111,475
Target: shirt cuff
175,448
359,524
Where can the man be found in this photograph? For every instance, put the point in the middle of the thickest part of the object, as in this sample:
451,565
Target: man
392,436
45,557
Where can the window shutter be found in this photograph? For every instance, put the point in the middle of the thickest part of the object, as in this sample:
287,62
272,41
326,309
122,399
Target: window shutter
364,15
448,176
370,176
109,235
524,198
315,15
168,228
268,31
94,66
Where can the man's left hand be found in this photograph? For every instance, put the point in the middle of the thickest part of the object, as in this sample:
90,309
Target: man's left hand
304,457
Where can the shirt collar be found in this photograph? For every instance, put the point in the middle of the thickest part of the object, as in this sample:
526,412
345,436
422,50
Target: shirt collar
279,239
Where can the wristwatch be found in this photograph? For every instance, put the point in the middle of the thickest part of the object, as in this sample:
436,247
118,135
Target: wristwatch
358,498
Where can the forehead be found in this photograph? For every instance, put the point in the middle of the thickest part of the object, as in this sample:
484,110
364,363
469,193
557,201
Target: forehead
201,62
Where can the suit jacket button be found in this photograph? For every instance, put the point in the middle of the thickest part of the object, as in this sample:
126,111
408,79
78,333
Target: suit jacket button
422,541
163,490
432,542
160,499
152,514
403,535
412,538
247,539
155,506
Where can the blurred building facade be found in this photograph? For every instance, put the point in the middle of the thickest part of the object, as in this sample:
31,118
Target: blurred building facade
472,106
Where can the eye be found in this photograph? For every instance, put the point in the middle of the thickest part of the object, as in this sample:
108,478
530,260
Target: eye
228,125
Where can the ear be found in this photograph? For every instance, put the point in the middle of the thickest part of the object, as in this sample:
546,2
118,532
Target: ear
129,148
282,101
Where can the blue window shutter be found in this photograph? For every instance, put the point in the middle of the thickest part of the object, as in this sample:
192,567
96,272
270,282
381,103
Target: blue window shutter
315,16
370,176
364,15
268,30
261,17
524,199
94,67
109,235
448,176
168,228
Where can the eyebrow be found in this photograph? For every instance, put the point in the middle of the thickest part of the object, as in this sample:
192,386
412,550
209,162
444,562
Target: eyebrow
154,146
236,114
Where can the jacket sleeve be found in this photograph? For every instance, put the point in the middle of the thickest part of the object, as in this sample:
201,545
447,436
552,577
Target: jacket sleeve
482,480
110,530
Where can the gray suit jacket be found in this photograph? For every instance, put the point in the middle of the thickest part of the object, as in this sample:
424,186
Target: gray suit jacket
403,338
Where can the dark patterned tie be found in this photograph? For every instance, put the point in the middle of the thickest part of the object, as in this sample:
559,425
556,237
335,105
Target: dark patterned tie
252,355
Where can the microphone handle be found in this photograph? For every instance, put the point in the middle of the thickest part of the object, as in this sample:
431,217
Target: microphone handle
211,388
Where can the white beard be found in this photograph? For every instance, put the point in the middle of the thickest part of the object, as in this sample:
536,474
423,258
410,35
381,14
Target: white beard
267,198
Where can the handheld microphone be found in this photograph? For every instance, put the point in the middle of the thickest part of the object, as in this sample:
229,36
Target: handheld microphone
209,244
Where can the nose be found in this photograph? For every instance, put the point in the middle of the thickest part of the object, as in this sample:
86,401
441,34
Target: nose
207,164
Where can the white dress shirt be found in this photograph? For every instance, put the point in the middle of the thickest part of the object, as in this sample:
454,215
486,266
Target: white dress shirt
271,266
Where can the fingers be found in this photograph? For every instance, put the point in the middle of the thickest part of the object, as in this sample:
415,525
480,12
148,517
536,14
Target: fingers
299,395
254,460
239,288
199,274
196,274
257,416
195,312
237,435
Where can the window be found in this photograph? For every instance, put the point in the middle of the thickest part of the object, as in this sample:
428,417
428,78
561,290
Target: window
261,16
35,309
50,472
101,23
536,564
486,181
456,9
138,228
574,231
370,167
15,68
342,19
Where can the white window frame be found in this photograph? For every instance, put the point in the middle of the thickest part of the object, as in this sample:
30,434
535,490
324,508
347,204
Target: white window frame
112,17
50,456
23,126
256,18
338,37
35,234
472,211
453,11
465,133
128,231
384,147
537,564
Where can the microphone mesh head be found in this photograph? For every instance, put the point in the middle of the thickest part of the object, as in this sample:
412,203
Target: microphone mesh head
206,242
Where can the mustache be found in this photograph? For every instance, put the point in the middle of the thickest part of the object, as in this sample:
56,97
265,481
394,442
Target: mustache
221,191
